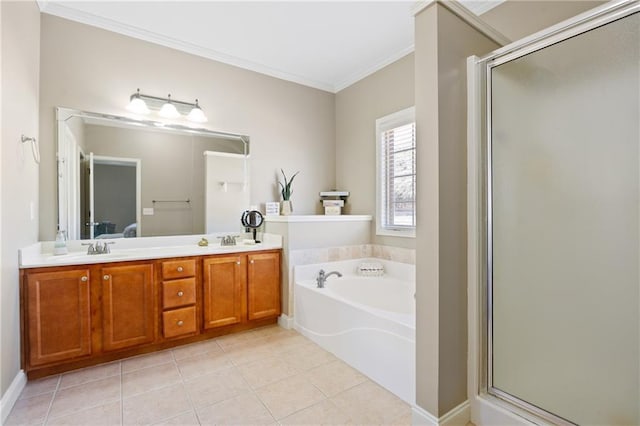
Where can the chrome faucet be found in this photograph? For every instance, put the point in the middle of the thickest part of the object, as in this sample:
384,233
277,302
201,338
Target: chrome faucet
322,277
228,240
97,248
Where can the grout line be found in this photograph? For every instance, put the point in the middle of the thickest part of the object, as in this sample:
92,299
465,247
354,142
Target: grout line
55,392
121,397
184,387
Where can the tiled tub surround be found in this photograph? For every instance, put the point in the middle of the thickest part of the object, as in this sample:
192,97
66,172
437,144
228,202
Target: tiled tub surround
266,376
368,322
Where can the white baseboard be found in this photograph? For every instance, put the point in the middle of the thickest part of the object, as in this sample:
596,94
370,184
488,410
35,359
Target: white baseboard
285,321
458,416
11,395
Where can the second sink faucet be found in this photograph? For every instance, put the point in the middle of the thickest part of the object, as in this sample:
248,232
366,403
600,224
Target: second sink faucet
322,277
98,248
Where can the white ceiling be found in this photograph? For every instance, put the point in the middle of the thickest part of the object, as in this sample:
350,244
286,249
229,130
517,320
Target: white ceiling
328,45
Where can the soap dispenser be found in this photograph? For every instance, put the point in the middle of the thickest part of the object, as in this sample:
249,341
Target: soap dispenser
60,246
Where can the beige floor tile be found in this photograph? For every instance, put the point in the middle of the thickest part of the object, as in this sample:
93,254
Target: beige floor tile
283,343
335,377
235,338
155,405
216,387
404,420
104,415
307,356
370,403
246,352
289,395
265,371
144,361
40,386
242,410
185,419
146,379
89,374
202,364
324,412
30,411
270,330
199,348
81,397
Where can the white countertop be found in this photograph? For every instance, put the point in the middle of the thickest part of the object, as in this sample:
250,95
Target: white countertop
319,218
142,248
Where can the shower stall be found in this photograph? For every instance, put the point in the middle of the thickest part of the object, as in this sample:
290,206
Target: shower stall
554,224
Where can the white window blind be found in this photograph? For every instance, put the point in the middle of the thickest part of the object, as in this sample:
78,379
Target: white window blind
396,152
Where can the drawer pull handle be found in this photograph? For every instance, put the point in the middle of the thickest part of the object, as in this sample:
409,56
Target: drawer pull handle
180,269
180,293
84,279
180,323
106,277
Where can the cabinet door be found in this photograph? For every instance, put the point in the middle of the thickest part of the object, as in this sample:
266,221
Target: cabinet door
128,306
224,290
264,285
58,316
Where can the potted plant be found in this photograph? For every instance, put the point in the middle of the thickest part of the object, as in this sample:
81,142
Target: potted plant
285,189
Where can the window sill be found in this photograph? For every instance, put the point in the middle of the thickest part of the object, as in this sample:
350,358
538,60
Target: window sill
404,233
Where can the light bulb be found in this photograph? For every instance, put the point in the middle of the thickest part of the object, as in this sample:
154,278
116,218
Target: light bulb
169,110
197,114
137,104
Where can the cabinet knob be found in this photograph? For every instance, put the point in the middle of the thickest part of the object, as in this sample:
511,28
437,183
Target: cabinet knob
106,277
84,279
238,262
180,323
180,293
251,261
180,269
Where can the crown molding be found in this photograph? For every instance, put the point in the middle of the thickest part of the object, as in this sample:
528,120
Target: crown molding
466,15
481,7
56,9
354,78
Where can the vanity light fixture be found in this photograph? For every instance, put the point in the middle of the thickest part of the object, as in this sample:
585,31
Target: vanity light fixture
166,107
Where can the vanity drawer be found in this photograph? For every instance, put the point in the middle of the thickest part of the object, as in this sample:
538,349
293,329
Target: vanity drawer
179,321
178,293
178,268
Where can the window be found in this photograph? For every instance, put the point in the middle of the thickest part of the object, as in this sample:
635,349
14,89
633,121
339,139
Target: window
396,174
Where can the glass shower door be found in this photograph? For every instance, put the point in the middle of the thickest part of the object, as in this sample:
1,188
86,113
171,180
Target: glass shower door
564,227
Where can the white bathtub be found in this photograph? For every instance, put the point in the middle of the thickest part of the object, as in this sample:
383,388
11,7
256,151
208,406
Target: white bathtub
369,322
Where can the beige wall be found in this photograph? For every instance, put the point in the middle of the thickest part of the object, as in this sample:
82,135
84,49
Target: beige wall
386,91
291,126
519,18
19,184
443,42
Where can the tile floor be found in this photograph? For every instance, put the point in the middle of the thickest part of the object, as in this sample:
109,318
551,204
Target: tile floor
267,376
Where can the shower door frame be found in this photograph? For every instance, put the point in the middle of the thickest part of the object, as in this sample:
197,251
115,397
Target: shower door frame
489,404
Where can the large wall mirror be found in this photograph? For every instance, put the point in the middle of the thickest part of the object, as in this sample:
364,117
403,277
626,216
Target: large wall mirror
119,177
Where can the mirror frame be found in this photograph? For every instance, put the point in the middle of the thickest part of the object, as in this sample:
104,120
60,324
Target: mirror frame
63,114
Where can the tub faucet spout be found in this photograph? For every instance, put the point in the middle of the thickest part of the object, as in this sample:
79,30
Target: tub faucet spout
322,277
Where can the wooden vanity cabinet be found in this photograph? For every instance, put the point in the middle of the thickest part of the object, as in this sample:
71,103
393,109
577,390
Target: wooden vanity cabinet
263,285
224,293
179,298
58,321
76,316
128,306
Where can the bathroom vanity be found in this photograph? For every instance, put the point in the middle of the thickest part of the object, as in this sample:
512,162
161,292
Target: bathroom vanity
79,310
